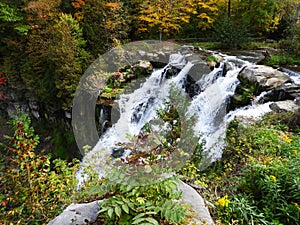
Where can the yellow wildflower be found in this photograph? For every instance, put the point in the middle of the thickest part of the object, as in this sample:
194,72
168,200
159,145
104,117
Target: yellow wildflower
285,138
223,201
273,178
296,204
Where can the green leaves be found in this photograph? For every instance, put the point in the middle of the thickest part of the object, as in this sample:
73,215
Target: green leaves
265,156
147,220
125,208
22,29
9,14
118,211
143,205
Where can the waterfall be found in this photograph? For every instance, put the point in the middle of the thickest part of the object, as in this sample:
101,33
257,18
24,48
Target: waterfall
136,109
209,106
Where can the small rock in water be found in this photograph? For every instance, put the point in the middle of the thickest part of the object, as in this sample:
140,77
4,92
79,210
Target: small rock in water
117,151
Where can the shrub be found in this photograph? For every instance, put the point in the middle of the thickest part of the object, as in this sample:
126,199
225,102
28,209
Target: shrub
258,175
33,188
230,34
239,210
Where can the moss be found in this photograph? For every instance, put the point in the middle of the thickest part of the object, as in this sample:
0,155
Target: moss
211,58
244,94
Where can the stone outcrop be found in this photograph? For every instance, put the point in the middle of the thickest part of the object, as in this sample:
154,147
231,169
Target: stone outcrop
191,197
264,77
255,79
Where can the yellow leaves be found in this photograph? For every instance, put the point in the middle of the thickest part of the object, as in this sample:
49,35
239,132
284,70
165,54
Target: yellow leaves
185,19
113,6
79,16
223,201
165,14
31,155
205,5
141,200
206,17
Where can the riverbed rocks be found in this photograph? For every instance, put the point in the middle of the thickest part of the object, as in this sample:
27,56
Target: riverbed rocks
287,91
256,79
284,106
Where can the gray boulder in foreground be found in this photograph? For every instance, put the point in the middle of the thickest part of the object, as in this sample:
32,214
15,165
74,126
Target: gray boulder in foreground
80,214
191,197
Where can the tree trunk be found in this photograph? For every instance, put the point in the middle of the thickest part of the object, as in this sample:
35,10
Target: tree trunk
297,14
160,35
229,10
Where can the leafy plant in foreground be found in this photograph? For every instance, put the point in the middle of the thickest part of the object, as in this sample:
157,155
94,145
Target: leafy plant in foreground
150,204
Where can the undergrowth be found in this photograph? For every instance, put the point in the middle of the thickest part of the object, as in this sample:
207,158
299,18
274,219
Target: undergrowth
33,188
257,181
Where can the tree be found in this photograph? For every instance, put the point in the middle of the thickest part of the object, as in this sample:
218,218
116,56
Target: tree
289,16
207,12
67,58
11,24
34,70
104,23
164,15
260,16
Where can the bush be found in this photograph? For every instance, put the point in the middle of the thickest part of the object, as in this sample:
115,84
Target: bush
258,177
33,188
230,34
270,178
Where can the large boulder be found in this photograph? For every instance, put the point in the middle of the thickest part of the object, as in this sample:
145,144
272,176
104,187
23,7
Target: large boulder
264,77
255,79
284,92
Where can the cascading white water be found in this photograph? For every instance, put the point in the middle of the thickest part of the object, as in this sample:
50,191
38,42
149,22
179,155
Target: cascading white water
209,106
136,109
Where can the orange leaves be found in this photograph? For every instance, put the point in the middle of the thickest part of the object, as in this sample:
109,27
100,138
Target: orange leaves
78,4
